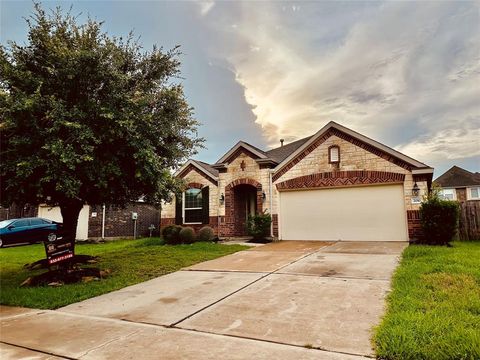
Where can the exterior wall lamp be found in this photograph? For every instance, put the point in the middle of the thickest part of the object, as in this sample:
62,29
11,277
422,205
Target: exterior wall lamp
264,196
415,190
222,199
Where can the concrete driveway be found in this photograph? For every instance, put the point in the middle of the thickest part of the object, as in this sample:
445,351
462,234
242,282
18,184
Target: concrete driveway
295,299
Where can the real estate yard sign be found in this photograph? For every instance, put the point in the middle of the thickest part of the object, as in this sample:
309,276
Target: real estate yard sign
58,251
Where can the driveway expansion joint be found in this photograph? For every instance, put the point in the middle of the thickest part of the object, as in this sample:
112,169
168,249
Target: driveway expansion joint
38,351
316,348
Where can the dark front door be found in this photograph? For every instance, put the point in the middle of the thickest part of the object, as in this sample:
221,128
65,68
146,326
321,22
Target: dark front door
245,204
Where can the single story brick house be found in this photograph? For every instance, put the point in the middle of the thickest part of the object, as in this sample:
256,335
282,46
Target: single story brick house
459,184
334,185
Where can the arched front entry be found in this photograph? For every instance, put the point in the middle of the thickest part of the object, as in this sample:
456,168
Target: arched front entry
242,198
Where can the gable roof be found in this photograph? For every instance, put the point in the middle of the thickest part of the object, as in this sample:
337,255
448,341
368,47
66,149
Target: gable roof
241,144
281,153
458,177
284,157
333,125
200,166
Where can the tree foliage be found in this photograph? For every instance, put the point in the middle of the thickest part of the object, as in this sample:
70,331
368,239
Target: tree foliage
89,118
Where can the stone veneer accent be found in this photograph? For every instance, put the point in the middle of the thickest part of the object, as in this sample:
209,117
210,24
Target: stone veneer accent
341,178
346,137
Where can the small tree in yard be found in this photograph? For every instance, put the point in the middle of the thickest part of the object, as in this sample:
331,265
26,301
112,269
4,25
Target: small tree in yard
89,119
439,219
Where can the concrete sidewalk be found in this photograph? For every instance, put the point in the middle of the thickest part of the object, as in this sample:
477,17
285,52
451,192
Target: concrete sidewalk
301,300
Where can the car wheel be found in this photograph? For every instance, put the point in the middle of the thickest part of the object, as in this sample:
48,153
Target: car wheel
52,237
1,243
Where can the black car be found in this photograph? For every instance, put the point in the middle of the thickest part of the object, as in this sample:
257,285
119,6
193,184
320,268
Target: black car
28,230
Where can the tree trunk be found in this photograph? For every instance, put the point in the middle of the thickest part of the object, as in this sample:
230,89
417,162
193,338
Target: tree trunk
70,211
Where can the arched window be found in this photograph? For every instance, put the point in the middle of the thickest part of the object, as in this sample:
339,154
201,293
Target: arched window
334,154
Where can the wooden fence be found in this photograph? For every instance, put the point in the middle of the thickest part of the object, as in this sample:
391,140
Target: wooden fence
469,228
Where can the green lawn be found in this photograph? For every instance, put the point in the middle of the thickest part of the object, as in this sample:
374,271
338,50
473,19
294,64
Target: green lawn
131,262
434,307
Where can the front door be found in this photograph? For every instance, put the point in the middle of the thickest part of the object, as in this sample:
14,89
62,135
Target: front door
245,204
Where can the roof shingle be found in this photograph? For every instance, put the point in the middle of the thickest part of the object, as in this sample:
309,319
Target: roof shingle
458,177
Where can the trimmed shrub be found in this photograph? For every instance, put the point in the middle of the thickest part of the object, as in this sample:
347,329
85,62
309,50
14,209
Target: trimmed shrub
187,235
206,233
258,226
171,234
439,219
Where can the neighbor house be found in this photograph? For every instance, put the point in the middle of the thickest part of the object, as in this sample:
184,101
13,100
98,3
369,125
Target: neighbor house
459,184
97,222
334,185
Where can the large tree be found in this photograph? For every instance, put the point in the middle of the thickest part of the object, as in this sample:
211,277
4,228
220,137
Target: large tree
86,118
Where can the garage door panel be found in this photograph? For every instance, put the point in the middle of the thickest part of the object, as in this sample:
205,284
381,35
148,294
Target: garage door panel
370,213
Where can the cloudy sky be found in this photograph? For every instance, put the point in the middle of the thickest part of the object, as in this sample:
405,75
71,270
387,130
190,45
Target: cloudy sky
404,73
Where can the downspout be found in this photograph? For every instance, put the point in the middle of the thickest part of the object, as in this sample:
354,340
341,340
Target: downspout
219,193
270,187
103,221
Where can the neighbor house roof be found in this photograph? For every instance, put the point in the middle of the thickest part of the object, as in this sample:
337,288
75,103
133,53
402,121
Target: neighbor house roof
458,177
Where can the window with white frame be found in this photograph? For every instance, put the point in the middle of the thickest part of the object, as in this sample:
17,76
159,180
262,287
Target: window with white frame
192,206
447,194
475,193
334,154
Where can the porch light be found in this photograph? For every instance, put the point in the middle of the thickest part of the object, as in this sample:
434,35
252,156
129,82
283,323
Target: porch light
264,196
415,189
222,199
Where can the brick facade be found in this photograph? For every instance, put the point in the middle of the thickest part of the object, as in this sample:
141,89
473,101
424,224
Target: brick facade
340,178
414,225
119,223
235,214
360,163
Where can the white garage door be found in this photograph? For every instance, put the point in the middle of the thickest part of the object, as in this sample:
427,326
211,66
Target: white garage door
367,213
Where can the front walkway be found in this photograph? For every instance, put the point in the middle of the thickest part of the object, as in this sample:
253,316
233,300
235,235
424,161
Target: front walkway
287,300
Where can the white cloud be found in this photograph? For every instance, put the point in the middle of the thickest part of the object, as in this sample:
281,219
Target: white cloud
448,144
403,71
206,6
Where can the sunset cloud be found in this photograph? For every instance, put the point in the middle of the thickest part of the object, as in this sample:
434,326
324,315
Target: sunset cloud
400,71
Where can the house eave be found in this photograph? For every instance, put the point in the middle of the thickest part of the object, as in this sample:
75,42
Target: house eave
196,166
414,163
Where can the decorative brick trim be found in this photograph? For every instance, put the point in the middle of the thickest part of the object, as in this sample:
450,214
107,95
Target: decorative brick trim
414,224
345,137
302,155
194,185
193,168
243,181
340,178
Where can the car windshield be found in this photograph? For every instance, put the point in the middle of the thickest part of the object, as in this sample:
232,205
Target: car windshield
5,223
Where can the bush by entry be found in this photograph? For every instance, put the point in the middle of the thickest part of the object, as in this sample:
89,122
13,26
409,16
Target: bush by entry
130,262
434,307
